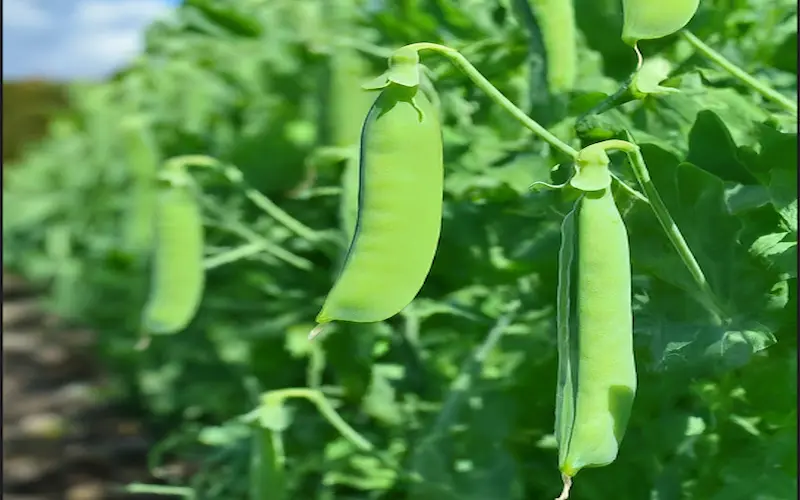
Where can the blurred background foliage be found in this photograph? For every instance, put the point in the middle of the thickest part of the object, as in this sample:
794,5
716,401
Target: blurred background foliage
249,82
28,107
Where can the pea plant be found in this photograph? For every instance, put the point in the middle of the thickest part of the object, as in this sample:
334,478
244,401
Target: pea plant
532,251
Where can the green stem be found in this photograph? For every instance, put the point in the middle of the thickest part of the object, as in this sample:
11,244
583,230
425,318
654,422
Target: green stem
317,397
267,460
234,254
481,82
277,213
362,46
459,389
762,88
328,413
236,177
665,219
236,227
463,382
636,194
157,489
268,206
622,96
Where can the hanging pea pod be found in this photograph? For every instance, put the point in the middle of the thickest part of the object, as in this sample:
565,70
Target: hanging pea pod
556,22
553,51
346,105
651,19
143,159
596,368
343,104
349,103
348,208
400,201
178,275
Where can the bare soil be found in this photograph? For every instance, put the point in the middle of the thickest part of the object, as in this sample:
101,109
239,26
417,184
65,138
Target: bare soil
61,439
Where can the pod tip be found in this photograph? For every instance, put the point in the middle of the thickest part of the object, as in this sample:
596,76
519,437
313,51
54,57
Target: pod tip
317,330
567,485
143,343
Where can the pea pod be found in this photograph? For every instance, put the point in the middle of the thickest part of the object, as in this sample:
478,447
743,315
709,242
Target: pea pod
651,19
596,372
143,159
348,208
556,22
348,103
553,63
178,276
345,103
399,210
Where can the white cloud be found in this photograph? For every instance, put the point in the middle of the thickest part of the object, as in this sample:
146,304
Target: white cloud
22,14
65,39
102,12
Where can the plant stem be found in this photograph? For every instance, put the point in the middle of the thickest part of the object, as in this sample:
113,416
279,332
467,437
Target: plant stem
238,253
158,489
328,413
267,460
463,382
269,207
636,194
235,176
459,389
319,400
762,88
622,96
481,82
277,213
236,227
665,219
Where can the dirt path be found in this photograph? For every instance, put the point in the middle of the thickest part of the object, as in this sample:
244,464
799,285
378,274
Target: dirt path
60,440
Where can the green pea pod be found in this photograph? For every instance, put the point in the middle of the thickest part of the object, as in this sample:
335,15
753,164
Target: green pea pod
596,370
344,103
143,159
348,103
556,22
651,19
401,175
178,275
348,208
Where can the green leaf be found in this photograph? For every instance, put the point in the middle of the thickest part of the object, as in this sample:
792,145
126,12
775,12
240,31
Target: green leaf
779,250
468,461
381,401
696,201
783,191
711,147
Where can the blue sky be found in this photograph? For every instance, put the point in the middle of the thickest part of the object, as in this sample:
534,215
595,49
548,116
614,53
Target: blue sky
65,39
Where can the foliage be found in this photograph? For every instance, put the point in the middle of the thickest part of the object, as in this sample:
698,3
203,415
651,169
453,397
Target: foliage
440,390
